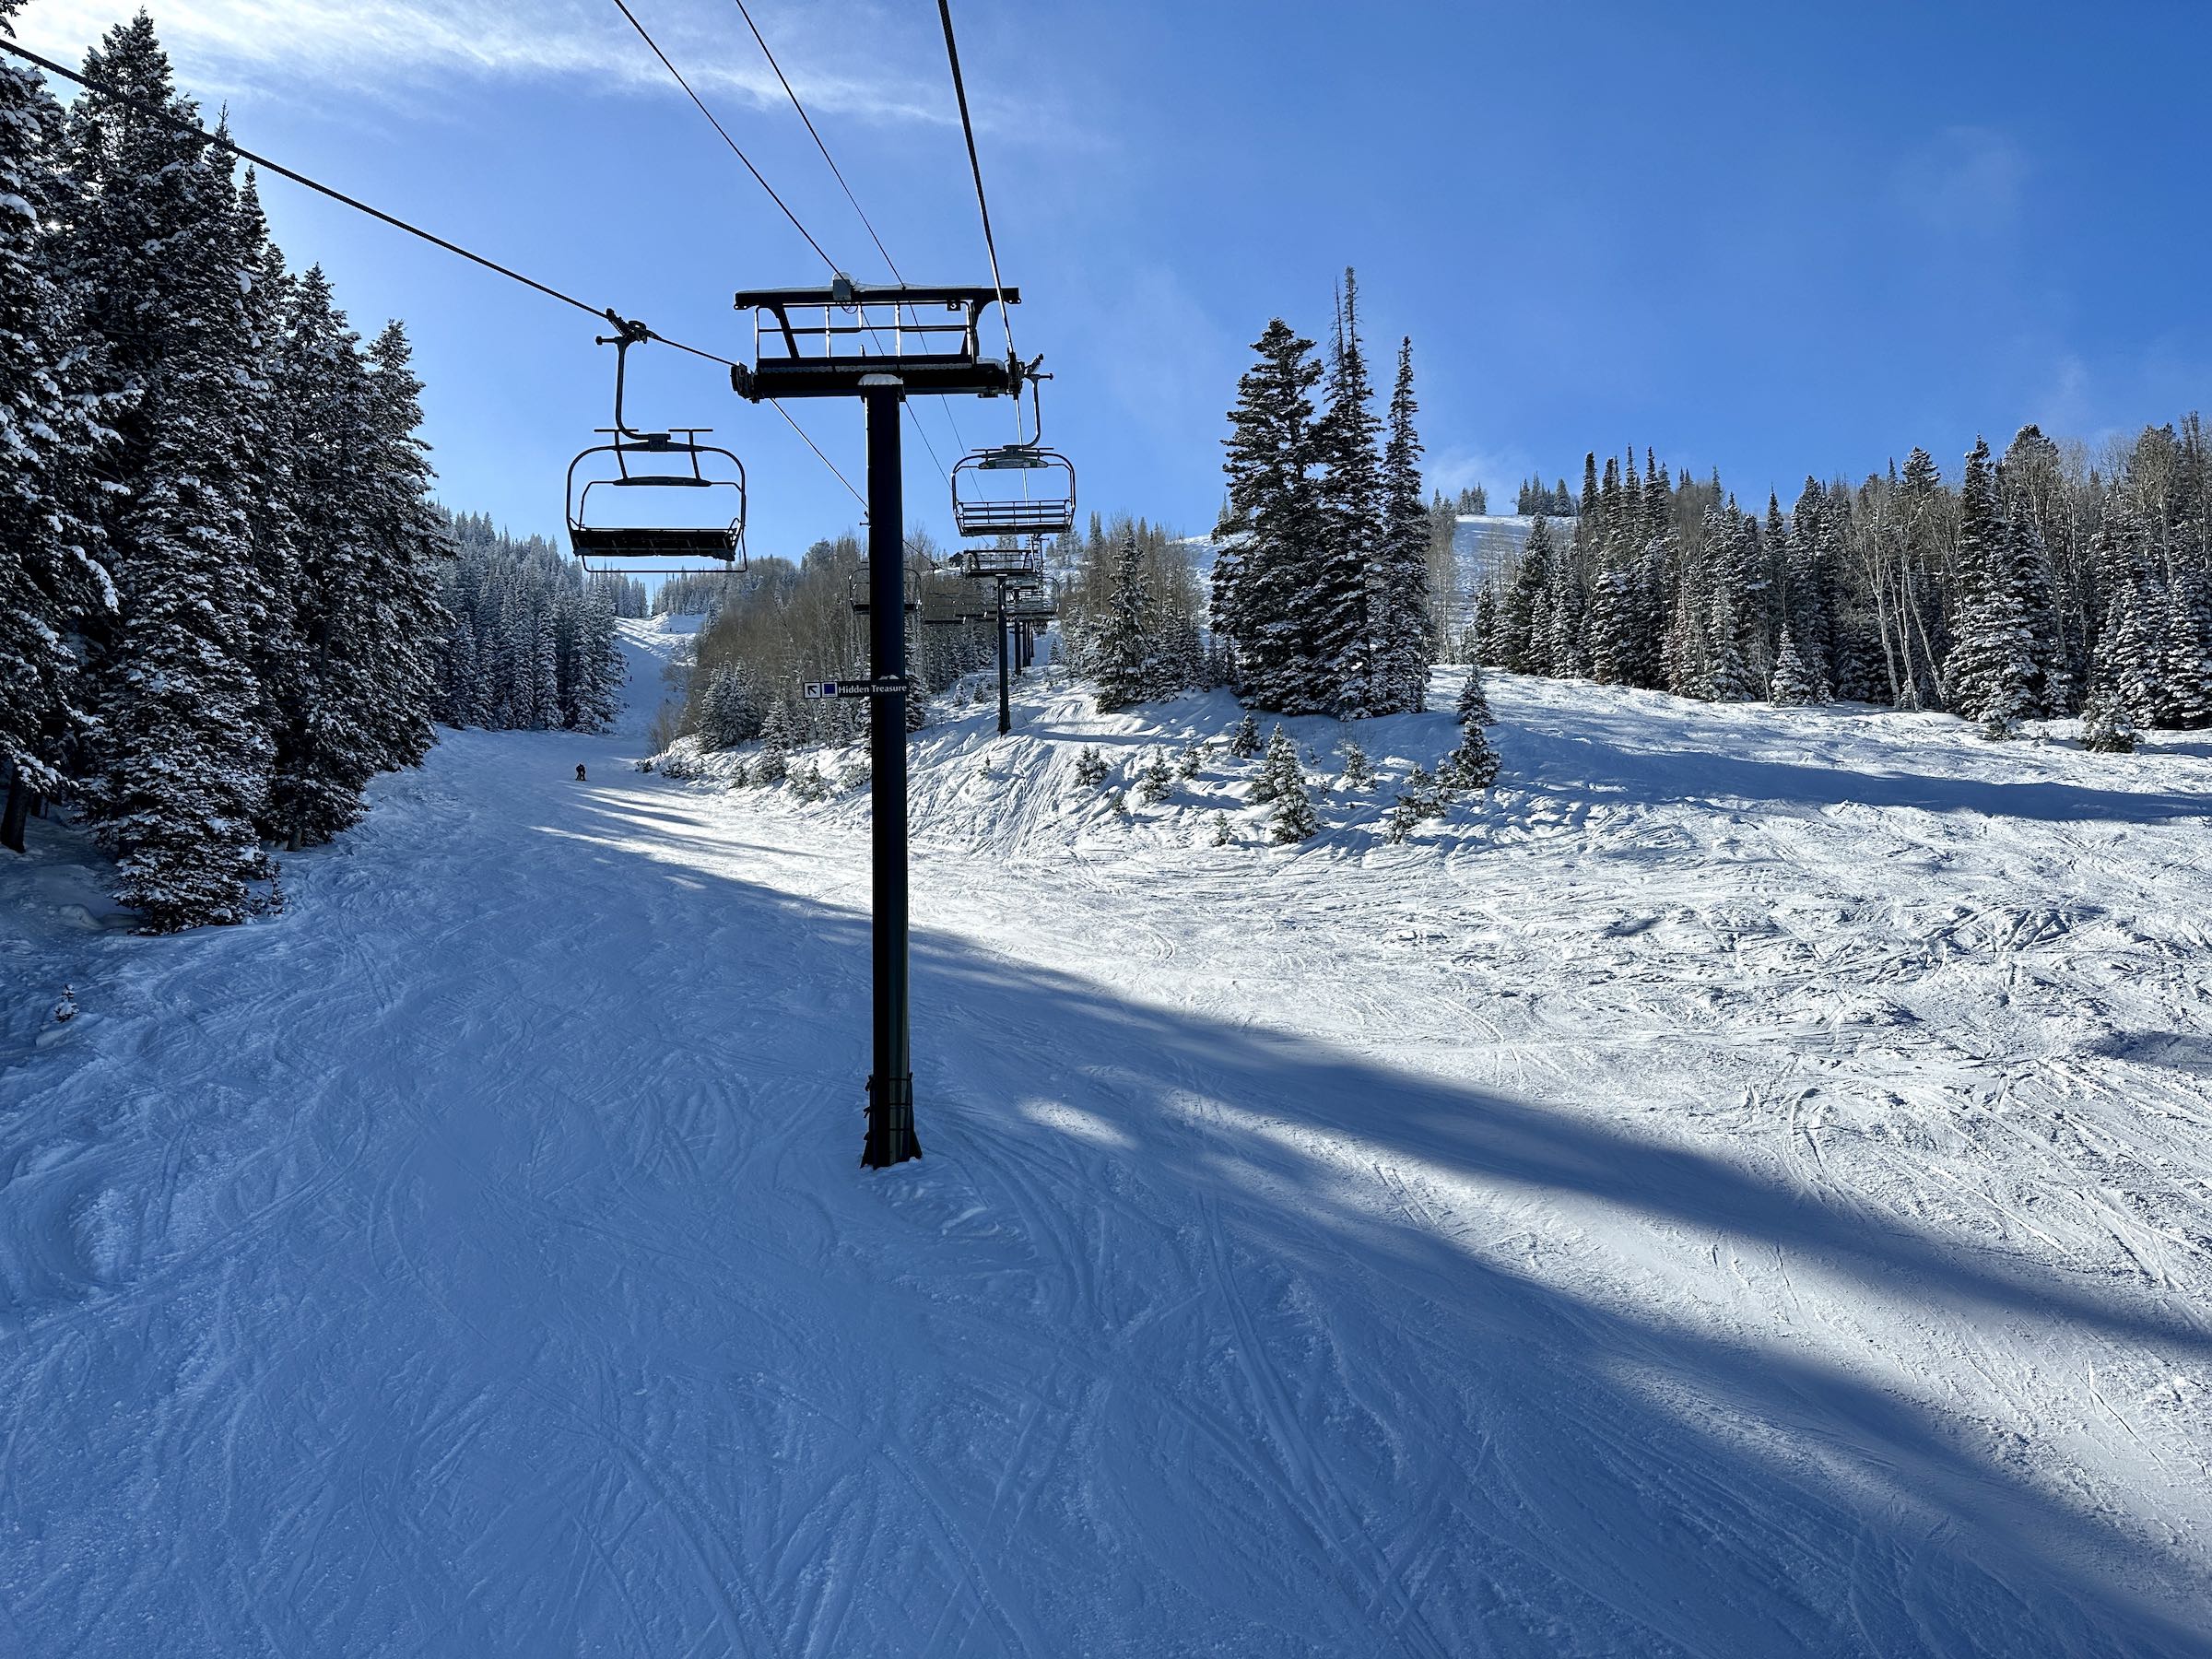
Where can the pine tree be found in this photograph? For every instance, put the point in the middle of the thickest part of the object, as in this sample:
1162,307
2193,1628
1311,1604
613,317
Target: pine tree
1990,671
1474,705
1278,770
1263,588
52,437
2129,652
1524,630
186,756
1483,649
2106,726
1792,685
1155,781
409,543
1401,632
1244,742
2187,654
1359,772
774,762
1616,622
1343,607
1125,658
1474,763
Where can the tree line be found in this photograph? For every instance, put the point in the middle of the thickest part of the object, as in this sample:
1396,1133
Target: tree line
2042,585
219,609
531,643
779,624
1132,613
1320,588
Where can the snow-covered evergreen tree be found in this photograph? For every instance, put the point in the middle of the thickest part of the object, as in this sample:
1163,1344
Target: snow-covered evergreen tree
1990,674
1792,685
186,756
1473,764
1525,624
1128,661
1264,590
1342,606
52,436
1279,770
1155,781
1401,633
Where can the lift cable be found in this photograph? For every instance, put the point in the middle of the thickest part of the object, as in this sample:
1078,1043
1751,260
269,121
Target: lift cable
717,126
761,180
222,142
839,174
959,91
825,460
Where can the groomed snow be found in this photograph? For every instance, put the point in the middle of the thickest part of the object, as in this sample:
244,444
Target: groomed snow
1743,1190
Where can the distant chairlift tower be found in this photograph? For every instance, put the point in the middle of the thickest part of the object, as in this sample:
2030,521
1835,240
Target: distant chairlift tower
984,504
815,343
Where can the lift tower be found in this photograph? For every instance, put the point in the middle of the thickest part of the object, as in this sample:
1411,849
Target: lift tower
881,344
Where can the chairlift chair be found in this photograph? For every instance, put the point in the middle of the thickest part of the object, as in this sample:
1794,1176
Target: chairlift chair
1045,507
857,590
1012,562
712,549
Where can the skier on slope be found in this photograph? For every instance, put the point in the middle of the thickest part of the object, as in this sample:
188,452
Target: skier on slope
580,772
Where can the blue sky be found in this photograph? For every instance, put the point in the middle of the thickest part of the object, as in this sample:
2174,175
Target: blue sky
1769,239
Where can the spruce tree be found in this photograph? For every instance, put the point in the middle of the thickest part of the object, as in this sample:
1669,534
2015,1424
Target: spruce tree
1522,642
1125,658
1483,649
1155,781
1262,593
2186,657
52,435
408,544
1474,763
1402,630
186,756
1474,705
1792,685
1343,654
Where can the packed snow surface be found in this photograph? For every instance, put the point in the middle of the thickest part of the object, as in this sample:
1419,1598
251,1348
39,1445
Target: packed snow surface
1740,1190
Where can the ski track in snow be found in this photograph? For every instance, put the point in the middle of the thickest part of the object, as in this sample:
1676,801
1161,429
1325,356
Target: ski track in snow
1743,1190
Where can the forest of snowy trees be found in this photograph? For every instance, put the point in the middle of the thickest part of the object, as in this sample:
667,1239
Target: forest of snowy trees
531,642
1132,613
1321,591
779,624
2043,584
219,611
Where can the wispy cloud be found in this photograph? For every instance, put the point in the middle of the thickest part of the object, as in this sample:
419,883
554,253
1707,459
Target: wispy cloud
396,49
1966,180
1454,467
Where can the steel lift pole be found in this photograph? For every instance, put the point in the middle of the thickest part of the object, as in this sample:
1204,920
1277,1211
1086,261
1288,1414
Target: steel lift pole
1005,707
891,1138
796,357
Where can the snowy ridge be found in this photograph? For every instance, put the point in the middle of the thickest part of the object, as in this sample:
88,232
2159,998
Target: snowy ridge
1746,1190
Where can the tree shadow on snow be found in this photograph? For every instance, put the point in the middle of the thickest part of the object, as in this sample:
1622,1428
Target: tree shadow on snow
1608,1472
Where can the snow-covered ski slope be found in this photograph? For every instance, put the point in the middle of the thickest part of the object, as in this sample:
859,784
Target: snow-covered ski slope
1744,1191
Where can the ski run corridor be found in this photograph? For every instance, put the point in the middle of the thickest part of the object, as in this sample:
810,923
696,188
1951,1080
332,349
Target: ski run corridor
1743,1188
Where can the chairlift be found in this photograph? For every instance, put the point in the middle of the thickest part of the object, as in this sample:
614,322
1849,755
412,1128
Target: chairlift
857,590
1046,505
1011,562
716,548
